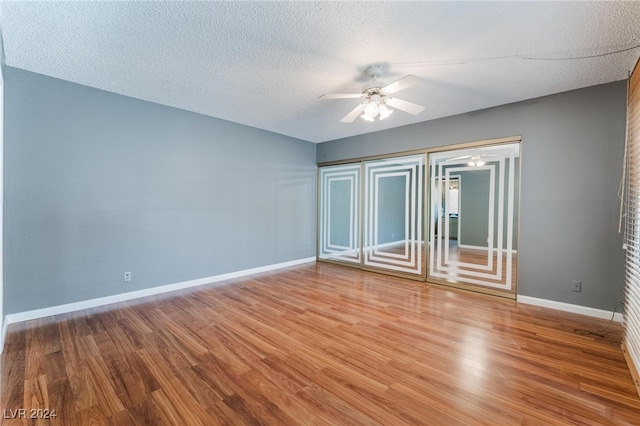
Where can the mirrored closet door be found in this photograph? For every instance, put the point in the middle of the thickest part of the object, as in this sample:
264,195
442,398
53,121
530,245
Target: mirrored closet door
339,218
377,213
393,214
371,214
473,216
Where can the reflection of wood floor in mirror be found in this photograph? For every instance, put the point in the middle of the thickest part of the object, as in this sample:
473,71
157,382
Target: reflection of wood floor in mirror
459,266
456,271
409,255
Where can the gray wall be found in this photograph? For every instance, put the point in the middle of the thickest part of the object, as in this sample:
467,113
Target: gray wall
473,223
97,184
572,150
391,209
340,212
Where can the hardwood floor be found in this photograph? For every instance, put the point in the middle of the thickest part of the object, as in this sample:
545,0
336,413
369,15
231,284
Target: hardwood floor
318,344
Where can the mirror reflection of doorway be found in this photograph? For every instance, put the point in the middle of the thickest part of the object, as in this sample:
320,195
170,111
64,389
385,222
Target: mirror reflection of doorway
473,236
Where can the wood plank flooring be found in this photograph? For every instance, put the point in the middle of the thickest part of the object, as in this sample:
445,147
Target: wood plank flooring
318,344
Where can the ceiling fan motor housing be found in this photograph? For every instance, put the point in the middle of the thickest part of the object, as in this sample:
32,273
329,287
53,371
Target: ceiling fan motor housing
373,72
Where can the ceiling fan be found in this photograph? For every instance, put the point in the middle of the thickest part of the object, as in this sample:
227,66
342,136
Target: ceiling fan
376,99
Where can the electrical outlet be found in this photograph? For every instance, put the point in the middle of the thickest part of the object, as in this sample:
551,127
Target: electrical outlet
576,286
127,276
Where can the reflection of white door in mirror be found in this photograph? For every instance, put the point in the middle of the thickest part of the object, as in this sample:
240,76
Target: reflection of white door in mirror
451,205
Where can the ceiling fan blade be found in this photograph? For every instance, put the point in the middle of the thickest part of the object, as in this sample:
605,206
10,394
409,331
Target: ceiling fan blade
403,83
353,114
340,96
405,106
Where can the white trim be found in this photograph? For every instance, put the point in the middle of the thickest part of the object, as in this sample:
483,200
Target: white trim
390,244
465,246
92,303
568,307
5,327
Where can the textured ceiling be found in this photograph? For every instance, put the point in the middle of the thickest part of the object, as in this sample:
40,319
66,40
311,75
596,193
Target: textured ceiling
264,64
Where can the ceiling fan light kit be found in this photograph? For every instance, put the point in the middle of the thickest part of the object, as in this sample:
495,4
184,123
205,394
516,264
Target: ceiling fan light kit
375,106
376,100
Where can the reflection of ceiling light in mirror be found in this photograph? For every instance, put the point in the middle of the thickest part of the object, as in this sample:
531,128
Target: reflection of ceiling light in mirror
476,161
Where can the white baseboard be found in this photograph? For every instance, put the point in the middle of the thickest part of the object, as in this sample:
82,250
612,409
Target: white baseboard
568,307
466,246
101,301
5,326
